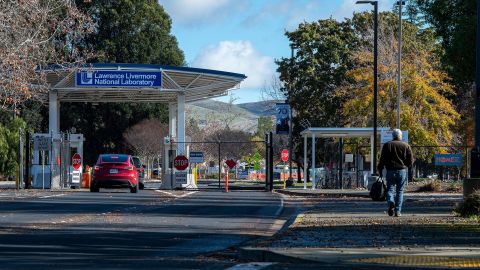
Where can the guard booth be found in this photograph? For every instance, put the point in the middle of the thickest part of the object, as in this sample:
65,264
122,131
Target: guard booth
51,165
171,177
139,83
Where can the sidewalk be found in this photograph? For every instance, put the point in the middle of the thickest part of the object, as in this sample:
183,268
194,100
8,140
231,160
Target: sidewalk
345,227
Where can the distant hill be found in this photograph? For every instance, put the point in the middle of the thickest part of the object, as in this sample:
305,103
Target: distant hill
261,108
245,116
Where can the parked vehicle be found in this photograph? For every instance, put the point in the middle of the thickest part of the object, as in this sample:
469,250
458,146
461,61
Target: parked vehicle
140,170
114,171
156,172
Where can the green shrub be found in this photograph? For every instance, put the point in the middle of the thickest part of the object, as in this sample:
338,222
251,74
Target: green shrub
432,186
470,206
454,187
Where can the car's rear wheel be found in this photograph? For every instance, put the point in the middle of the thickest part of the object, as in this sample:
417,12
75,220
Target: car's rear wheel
142,186
134,189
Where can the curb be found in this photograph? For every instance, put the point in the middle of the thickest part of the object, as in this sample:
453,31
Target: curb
263,255
330,195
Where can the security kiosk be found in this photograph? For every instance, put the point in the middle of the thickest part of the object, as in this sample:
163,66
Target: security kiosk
140,83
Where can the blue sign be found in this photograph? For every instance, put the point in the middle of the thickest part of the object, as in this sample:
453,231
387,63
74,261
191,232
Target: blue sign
448,159
118,78
283,118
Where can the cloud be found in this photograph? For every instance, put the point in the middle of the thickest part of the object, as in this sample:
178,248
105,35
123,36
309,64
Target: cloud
290,12
238,56
193,12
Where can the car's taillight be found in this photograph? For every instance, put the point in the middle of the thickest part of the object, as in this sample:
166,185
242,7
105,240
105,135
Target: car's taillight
97,168
141,169
130,168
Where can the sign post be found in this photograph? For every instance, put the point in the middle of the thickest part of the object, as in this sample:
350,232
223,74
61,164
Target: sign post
284,159
76,164
181,163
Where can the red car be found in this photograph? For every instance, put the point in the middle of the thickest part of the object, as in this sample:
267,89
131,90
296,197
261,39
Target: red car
114,171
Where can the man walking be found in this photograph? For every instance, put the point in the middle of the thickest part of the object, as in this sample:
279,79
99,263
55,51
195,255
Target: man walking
396,157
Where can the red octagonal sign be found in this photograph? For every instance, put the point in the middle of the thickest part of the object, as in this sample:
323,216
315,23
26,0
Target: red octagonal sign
76,161
180,162
285,155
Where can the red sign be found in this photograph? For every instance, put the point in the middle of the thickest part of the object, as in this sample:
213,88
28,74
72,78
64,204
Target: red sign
231,163
285,155
76,161
180,162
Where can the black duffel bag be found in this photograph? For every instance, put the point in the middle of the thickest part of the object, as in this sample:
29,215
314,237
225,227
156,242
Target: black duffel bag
378,192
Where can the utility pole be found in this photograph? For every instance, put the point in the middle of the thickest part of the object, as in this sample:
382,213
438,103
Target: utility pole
473,183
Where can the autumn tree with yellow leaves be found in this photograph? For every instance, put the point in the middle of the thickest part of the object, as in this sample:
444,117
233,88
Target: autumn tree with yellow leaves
427,111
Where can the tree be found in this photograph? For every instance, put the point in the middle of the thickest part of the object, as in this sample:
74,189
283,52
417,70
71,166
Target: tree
9,144
426,112
317,69
145,138
126,31
310,80
34,34
454,24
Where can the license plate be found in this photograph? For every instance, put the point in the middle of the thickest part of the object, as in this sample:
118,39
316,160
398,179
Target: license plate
113,170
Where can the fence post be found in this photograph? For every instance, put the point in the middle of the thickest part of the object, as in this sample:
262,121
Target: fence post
219,168
27,159
20,179
267,157
271,161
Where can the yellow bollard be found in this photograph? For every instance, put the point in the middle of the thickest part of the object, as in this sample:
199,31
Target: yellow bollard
195,174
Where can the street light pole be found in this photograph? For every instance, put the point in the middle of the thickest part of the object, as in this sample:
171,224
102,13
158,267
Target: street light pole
290,127
375,76
399,82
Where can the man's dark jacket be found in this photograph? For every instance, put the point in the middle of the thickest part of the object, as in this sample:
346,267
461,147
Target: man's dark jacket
396,155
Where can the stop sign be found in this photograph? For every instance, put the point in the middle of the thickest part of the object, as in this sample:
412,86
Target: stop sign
76,161
180,162
285,155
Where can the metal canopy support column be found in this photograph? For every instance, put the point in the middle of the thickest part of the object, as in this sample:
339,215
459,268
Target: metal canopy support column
172,120
181,123
53,113
54,130
305,163
313,161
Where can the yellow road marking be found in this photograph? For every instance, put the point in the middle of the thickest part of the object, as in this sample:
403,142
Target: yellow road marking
412,260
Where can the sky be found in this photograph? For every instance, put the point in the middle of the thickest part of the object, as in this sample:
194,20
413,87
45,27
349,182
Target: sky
247,36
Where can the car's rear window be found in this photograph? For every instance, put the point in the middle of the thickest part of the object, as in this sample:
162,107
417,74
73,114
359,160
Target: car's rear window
136,162
114,158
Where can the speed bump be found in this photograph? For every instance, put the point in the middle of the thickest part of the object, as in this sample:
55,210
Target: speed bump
434,261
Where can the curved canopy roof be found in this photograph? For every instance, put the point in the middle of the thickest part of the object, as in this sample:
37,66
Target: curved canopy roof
321,132
194,83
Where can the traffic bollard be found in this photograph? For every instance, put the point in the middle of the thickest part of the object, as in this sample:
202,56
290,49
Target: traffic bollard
226,182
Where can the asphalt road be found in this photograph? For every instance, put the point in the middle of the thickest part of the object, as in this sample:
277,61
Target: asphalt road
120,230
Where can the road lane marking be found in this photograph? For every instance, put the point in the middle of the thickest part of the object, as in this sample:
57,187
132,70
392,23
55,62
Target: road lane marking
50,196
280,208
175,195
251,266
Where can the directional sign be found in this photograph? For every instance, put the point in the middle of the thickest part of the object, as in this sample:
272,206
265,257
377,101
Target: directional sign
285,155
76,161
196,157
180,162
231,163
